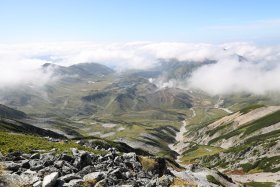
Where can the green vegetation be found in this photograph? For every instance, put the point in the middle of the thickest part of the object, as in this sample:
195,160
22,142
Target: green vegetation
147,163
199,151
260,184
250,108
204,117
265,164
263,137
10,142
179,182
213,180
265,121
219,128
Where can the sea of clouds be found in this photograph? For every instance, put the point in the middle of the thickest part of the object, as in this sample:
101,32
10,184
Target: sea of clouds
259,73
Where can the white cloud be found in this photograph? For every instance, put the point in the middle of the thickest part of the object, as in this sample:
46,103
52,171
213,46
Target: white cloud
20,62
231,76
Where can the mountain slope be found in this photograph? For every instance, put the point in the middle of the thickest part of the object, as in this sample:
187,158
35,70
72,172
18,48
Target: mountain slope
7,112
244,140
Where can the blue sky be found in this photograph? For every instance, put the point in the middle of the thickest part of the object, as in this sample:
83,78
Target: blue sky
213,21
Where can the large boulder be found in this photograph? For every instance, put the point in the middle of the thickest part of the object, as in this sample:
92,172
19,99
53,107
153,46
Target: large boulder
50,180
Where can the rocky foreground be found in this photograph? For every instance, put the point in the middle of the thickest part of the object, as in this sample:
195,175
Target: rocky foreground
81,168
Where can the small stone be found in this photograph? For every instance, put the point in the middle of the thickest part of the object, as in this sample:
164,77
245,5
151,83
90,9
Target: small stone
66,157
75,152
74,183
129,156
36,165
86,170
165,180
25,164
59,163
94,176
37,184
35,156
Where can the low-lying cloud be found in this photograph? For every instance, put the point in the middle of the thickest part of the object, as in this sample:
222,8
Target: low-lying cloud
259,73
232,76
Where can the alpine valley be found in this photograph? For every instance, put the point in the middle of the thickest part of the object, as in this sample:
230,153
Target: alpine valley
94,126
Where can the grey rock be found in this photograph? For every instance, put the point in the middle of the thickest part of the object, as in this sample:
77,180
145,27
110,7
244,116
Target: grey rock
38,184
35,156
25,164
14,156
36,165
66,170
127,175
50,180
26,156
47,170
59,183
117,173
109,156
94,176
66,157
69,177
29,177
83,160
129,156
101,183
118,159
165,180
58,164
75,152
48,163
12,166
47,156
10,179
153,183
86,170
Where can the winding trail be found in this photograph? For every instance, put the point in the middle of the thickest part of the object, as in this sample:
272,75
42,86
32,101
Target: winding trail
179,146
219,103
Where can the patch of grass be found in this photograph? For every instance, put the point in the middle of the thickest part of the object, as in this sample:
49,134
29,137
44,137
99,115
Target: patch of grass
89,183
179,182
219,128
204,117
147,163
10,142
213,180
263,137
226,136
251,108
199,151
260,184
265,164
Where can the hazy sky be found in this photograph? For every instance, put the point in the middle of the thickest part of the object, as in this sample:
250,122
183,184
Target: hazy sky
212,21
